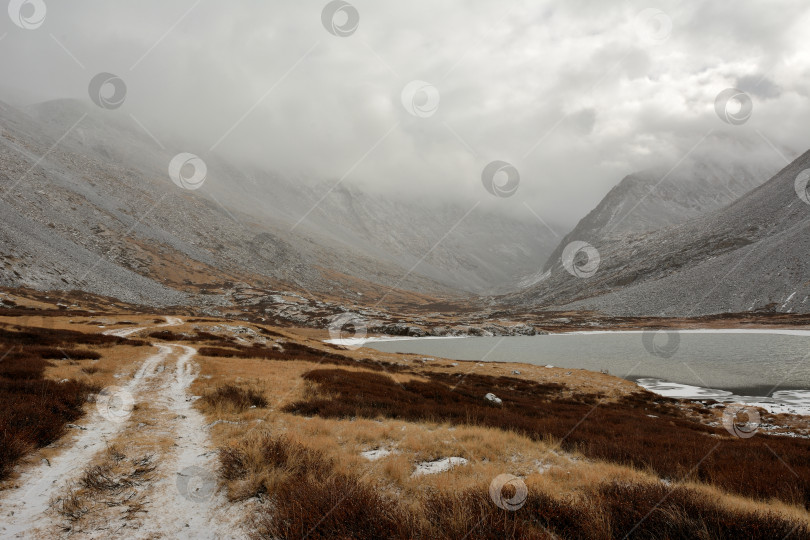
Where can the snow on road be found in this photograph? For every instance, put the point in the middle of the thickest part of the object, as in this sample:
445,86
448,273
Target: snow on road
23,508
185,503
124,332
182,502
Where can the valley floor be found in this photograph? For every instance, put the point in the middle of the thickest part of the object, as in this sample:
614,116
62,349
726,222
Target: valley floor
202,427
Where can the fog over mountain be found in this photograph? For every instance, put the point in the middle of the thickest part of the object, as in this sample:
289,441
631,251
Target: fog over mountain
576,95
747,256
453,149
392,270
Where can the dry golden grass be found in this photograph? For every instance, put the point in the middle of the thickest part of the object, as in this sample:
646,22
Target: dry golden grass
306,481
545,468
333,446
120,360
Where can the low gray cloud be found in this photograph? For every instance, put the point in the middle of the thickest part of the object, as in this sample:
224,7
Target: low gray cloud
572,93
759,86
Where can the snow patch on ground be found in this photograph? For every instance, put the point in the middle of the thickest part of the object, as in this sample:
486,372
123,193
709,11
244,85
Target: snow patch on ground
541,466
379,453
438,466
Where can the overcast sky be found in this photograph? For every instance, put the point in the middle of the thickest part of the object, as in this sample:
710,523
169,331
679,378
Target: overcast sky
574,94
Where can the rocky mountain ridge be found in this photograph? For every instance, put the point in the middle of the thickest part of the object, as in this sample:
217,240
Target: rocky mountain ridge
750,255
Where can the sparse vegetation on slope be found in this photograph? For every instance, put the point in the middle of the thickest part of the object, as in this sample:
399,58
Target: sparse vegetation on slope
638,430
310,498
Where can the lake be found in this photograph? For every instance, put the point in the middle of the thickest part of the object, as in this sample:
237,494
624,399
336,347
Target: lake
767,367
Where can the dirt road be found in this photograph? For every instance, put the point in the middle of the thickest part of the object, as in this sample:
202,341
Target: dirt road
153,415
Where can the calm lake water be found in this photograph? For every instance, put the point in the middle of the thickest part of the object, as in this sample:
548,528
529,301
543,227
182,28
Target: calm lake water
740,363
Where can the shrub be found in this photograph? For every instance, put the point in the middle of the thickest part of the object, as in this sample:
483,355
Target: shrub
309,498
338,506
33,413
66,353
657,511
294,351
33,410
234,397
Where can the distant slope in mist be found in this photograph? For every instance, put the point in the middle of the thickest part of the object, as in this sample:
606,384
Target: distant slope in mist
90,206
649,200
751,254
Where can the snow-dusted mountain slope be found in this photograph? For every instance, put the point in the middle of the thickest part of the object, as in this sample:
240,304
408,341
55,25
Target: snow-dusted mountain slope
88,204
751,254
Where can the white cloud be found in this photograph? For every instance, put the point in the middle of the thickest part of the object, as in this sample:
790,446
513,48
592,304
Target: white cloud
566,91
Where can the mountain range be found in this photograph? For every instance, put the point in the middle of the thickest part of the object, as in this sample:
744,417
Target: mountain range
88,205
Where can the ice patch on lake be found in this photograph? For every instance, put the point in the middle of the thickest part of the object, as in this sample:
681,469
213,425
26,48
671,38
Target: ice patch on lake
783,401
359,342
774,331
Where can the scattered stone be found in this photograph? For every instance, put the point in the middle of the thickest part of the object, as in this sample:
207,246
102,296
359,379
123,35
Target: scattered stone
398,329
493,398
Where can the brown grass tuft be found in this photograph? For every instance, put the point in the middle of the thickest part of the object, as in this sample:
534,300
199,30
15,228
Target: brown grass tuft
112,482
33,413
234,398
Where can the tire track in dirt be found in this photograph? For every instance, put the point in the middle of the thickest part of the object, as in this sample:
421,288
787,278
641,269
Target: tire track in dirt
184,502
25,509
